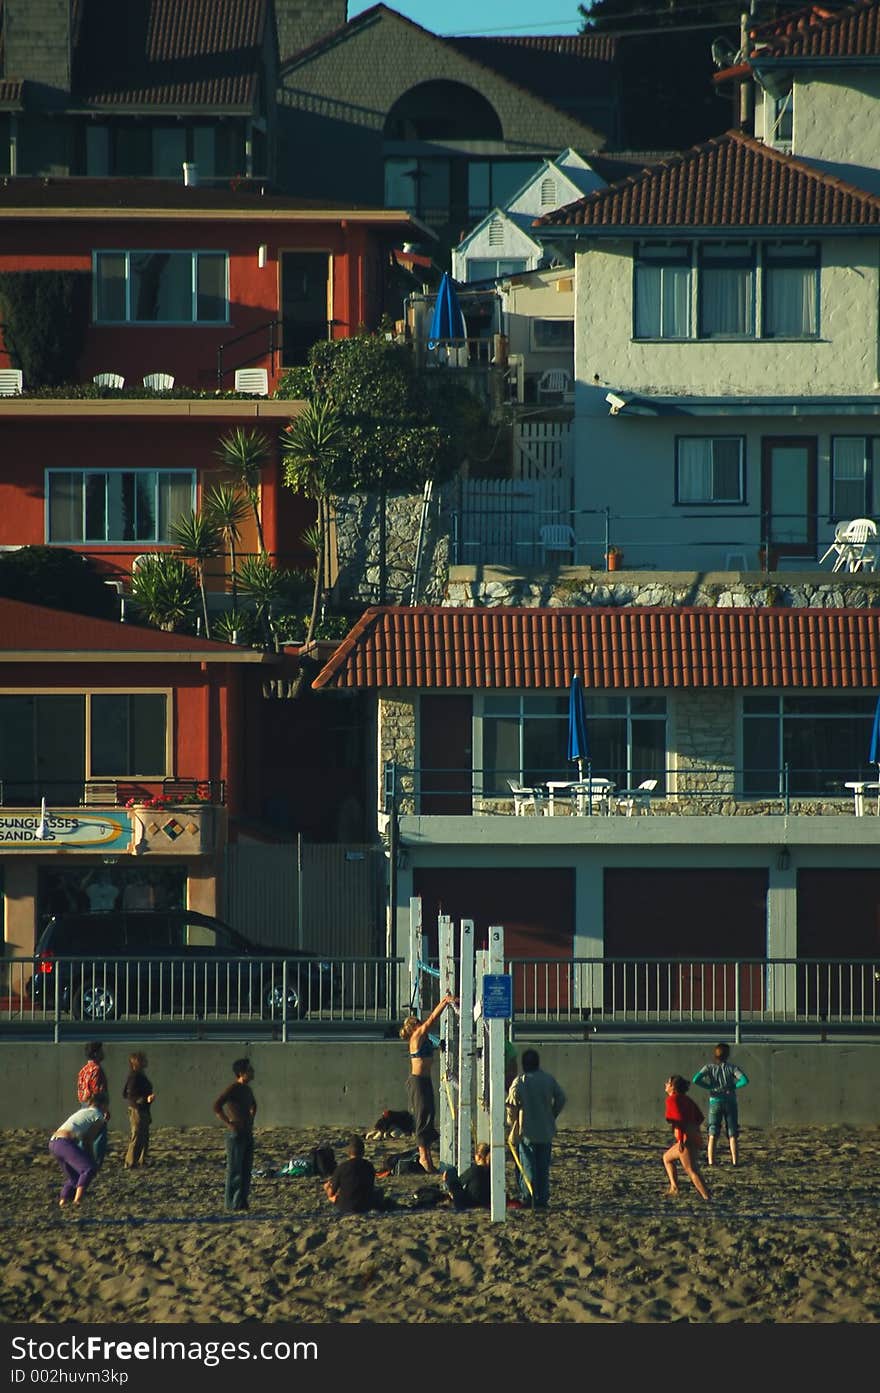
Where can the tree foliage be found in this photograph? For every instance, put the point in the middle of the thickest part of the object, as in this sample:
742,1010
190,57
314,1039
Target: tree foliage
391,437
57,578
45,316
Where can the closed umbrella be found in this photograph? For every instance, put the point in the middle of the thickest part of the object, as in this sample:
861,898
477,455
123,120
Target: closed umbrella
447,321
578,744
874,751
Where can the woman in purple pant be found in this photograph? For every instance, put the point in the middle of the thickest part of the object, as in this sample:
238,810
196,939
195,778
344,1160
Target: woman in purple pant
71,1145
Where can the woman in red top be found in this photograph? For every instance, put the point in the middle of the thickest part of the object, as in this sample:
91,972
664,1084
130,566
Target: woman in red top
686,1118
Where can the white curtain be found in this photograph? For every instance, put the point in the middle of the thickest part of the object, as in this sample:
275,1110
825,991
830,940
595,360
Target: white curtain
790,301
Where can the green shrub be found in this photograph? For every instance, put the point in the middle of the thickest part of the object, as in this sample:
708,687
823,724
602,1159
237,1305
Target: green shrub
45,315
57,578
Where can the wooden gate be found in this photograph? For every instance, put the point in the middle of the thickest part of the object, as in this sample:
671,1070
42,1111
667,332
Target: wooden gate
543,450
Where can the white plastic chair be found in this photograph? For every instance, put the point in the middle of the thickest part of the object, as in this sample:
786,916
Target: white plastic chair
254,380
525,798
632,798
159,381
859,553
11,382
556,382
837,549
109,379
556,537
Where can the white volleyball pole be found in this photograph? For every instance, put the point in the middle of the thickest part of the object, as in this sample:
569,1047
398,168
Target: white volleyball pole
498,1208
466,1045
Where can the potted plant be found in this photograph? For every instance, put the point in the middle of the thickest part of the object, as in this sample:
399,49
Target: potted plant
614,559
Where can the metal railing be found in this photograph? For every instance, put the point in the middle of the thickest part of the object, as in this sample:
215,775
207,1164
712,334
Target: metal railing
196,990
725,790
590,996
649,541
269,347
104,793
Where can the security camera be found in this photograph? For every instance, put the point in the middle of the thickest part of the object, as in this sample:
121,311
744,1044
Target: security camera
615,402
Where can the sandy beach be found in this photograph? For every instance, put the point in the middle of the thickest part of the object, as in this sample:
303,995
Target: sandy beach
791,1235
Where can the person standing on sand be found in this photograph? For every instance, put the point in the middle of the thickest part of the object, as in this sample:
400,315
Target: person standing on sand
419,1088
92,1090
72,1144
138,1094
722,1079
686,1119
237,1108
536,1100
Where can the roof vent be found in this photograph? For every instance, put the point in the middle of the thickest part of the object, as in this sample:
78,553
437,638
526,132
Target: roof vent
190,175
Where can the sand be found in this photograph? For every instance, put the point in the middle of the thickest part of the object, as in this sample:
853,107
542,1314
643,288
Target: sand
791,1235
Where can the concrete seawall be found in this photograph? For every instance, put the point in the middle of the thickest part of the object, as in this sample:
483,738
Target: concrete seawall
346,1085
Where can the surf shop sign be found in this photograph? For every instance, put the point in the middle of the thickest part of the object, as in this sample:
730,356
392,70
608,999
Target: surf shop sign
31,832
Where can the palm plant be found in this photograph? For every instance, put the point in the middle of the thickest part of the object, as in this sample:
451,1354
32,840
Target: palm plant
235,626
312,445
199,539
243,453
266,585
165,591
226,506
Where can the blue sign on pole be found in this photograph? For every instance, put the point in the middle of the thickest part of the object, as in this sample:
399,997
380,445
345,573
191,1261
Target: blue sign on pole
497,996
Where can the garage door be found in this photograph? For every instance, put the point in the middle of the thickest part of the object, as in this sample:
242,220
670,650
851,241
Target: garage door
838,923
535,909
692,915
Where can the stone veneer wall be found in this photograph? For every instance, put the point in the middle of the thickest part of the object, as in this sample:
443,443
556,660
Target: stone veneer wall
358,549
397,741
495,586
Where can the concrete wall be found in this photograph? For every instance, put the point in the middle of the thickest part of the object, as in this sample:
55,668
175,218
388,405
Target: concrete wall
347,1084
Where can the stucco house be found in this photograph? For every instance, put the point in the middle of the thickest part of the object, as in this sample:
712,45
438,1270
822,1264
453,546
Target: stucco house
726,351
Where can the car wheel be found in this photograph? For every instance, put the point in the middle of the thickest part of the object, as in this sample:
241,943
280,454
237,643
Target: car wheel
273,1003
94,1003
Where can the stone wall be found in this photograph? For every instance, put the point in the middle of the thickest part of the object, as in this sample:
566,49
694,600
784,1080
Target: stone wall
497,585
397,741
358,549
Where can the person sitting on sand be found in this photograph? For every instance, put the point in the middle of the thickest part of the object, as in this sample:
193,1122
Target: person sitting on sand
472,1189
72,1145
686,1119
419,1088
722,1079
352,1186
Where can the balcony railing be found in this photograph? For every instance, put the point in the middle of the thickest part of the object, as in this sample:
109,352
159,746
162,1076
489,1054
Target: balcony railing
725,790
107,793
507,531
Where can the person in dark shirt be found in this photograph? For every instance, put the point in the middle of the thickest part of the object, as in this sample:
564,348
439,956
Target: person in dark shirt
471,1189
352,1186
237,1108
138,1094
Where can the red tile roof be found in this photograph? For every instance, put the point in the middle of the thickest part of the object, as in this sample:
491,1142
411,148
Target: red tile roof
732,181
541,649
35,633
820,33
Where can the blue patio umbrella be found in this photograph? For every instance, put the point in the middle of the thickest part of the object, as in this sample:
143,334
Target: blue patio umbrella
578,744
874,752
447,321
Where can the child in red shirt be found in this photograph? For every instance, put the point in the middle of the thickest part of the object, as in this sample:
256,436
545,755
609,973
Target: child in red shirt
686,1118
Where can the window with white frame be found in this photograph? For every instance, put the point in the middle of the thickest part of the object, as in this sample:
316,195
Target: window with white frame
710,469
790,292
555,334
779,120
807,744
116,505
663,292
482,268
524,738
852,475
48,740
161,287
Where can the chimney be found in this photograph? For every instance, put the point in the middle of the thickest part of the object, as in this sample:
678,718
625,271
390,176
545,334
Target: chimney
300,23
36,37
